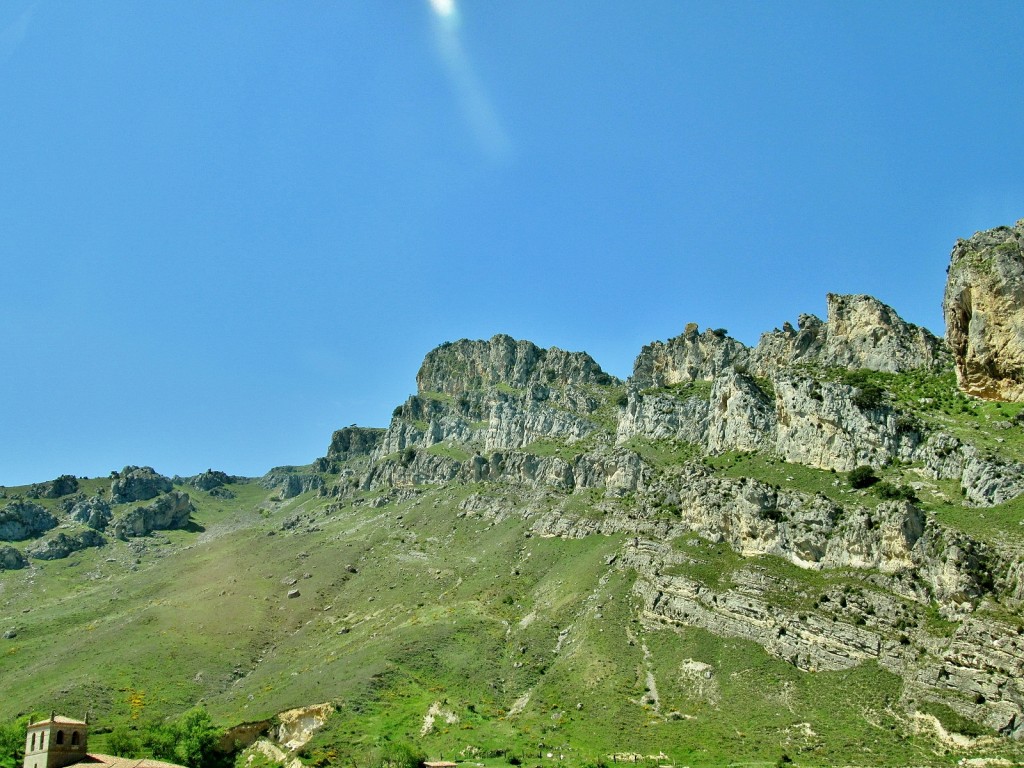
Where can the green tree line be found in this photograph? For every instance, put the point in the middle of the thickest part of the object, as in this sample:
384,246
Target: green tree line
191,740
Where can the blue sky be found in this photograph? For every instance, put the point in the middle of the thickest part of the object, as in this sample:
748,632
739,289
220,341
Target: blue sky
227,229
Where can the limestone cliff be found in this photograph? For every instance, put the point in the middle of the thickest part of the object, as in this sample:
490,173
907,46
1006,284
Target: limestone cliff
984,311
464,365
861,332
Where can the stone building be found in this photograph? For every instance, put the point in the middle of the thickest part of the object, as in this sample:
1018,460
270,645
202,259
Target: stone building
61,742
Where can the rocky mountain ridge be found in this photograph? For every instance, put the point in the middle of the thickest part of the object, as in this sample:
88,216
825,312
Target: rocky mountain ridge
821,494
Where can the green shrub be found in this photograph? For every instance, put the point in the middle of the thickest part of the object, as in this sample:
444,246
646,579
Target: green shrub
12,743
887,490
862,477
124,743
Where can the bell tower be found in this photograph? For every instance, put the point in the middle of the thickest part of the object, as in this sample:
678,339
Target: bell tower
55,743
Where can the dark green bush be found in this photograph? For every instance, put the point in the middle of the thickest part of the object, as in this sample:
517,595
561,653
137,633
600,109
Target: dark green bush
862,477
408,455
887,490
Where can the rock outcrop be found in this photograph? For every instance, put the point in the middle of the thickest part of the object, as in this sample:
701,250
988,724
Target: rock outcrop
54,489
62,545
291,482
11,559
94,512
138,484
691,356
208,480
168,512
464,365
353,441
984,311
861,332
22,520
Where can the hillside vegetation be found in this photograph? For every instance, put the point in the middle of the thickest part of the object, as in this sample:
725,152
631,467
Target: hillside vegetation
807,551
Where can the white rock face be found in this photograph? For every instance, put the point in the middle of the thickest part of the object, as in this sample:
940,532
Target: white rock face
984,311
861,332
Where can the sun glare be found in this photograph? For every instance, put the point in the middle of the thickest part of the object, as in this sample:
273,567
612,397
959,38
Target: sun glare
443,8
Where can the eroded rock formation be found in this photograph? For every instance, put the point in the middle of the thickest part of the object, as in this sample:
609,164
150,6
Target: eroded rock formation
984,311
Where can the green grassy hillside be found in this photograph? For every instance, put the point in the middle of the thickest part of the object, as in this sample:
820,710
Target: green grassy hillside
522,645
469,635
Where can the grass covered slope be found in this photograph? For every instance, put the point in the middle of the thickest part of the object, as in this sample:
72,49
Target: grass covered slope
413,610
575,568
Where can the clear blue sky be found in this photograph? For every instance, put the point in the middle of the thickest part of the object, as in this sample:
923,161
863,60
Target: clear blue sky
227,229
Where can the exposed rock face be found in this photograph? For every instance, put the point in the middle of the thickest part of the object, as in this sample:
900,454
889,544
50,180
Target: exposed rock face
985,482
663,416
353,441
819,424
208,480
862,332
62,545
780,348
138,484
984,311
798,419
495,395
291,483
94,512
54,489
11,559
170,511
22,520
691,356
464,365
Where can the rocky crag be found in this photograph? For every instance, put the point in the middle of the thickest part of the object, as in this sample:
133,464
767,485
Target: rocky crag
985,327
833,395
830,494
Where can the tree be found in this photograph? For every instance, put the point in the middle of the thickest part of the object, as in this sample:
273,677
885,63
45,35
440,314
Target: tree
123,743
12,743
197,739
191,740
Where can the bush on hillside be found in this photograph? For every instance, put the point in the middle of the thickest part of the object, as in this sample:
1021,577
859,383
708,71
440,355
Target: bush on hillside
862,477
887,490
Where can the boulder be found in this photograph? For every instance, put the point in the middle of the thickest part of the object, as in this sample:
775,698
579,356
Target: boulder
62,545
984,312
21,520
11,559
94,512
169,512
